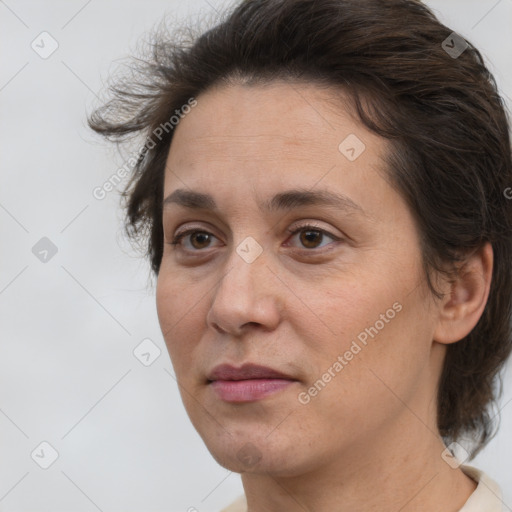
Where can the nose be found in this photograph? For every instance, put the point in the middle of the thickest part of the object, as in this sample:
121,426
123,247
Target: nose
247,295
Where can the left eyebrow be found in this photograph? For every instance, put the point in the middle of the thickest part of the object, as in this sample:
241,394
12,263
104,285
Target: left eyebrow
286,200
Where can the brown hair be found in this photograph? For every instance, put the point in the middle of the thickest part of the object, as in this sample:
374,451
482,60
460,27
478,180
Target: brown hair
443,116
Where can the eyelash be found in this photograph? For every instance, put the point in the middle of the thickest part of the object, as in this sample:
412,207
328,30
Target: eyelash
307,227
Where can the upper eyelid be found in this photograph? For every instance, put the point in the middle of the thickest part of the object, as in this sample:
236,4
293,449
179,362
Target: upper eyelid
306,224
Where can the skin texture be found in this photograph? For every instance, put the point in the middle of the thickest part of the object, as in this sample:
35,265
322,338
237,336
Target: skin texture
368,440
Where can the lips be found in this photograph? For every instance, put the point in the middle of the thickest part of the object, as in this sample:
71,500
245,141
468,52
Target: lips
248,371
248,383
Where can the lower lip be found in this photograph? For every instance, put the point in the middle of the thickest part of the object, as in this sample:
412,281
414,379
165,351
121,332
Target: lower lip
248,390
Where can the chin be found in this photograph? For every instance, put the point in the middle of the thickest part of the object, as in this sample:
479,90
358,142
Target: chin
257,454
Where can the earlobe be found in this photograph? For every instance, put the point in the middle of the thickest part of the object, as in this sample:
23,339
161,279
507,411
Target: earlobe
463,305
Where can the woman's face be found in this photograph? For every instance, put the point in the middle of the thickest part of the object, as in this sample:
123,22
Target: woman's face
339,307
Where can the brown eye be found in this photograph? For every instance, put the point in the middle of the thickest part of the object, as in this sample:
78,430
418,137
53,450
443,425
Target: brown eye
198,239
311,238
201,239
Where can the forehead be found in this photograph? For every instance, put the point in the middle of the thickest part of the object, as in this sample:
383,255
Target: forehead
305,119
273,136
277,112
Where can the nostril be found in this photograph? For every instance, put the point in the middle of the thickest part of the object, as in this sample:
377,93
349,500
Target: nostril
218,328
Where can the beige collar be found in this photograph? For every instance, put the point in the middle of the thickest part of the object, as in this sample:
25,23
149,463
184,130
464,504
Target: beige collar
487,496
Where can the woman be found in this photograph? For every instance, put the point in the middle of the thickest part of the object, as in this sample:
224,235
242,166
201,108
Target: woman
323,186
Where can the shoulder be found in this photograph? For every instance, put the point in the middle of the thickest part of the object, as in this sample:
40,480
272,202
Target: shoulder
487,496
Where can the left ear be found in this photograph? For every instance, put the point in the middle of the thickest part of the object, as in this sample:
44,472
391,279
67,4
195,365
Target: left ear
463,305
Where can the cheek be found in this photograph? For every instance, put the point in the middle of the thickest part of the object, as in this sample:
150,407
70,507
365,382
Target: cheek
383,363
339,311
166,304
379,326
178,313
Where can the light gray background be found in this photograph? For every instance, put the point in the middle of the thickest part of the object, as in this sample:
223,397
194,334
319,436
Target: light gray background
68,375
